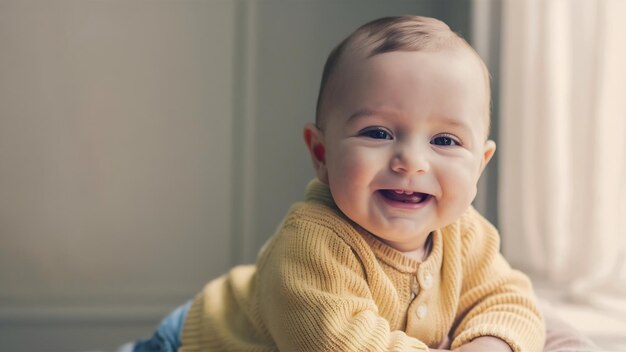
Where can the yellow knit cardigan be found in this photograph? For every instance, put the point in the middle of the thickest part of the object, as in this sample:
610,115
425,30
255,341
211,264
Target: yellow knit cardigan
322,283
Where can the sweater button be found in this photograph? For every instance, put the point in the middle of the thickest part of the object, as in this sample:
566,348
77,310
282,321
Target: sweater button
427,280
421,311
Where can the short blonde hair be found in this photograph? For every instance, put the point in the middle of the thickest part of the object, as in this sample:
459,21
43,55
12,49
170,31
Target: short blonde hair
400,33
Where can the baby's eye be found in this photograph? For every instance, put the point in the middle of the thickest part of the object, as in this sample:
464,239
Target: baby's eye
376,133
444,140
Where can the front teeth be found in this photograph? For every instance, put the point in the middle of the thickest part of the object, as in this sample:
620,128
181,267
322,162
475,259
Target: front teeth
399,191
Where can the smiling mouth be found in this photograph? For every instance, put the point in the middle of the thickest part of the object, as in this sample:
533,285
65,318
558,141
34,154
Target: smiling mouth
401,196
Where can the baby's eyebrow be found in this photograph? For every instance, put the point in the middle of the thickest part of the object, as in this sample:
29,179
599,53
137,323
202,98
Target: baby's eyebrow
451,121
363,112
454,123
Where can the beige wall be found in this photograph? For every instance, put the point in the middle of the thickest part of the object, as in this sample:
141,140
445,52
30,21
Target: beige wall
147,146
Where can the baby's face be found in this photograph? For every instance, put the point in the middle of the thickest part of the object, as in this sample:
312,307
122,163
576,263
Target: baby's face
405,142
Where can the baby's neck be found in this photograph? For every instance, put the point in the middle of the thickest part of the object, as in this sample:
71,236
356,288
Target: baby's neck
421,253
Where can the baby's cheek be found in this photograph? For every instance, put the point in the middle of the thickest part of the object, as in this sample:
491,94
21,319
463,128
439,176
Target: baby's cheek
349,179
460,184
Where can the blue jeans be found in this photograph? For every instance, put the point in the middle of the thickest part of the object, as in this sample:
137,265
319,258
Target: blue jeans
167,336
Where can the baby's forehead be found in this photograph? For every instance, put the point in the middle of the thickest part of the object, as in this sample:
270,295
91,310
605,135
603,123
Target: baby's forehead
360,62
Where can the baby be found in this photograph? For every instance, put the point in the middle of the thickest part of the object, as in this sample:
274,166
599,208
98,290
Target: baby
386,252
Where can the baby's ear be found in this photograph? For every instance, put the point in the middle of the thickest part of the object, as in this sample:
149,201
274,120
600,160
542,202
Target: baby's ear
314,140
488,150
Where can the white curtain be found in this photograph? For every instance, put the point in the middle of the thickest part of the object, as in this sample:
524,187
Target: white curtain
562,143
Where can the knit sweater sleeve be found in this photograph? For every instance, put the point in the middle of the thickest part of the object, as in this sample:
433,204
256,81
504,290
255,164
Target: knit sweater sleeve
495,299
316,297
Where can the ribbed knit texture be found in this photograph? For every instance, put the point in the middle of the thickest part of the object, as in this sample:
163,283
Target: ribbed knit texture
324,284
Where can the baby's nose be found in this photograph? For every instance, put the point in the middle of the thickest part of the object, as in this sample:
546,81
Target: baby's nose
410,161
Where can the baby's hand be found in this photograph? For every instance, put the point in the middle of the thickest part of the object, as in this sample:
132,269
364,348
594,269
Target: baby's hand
485,343
443,346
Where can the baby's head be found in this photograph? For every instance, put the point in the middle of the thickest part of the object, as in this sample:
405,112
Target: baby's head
401,127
